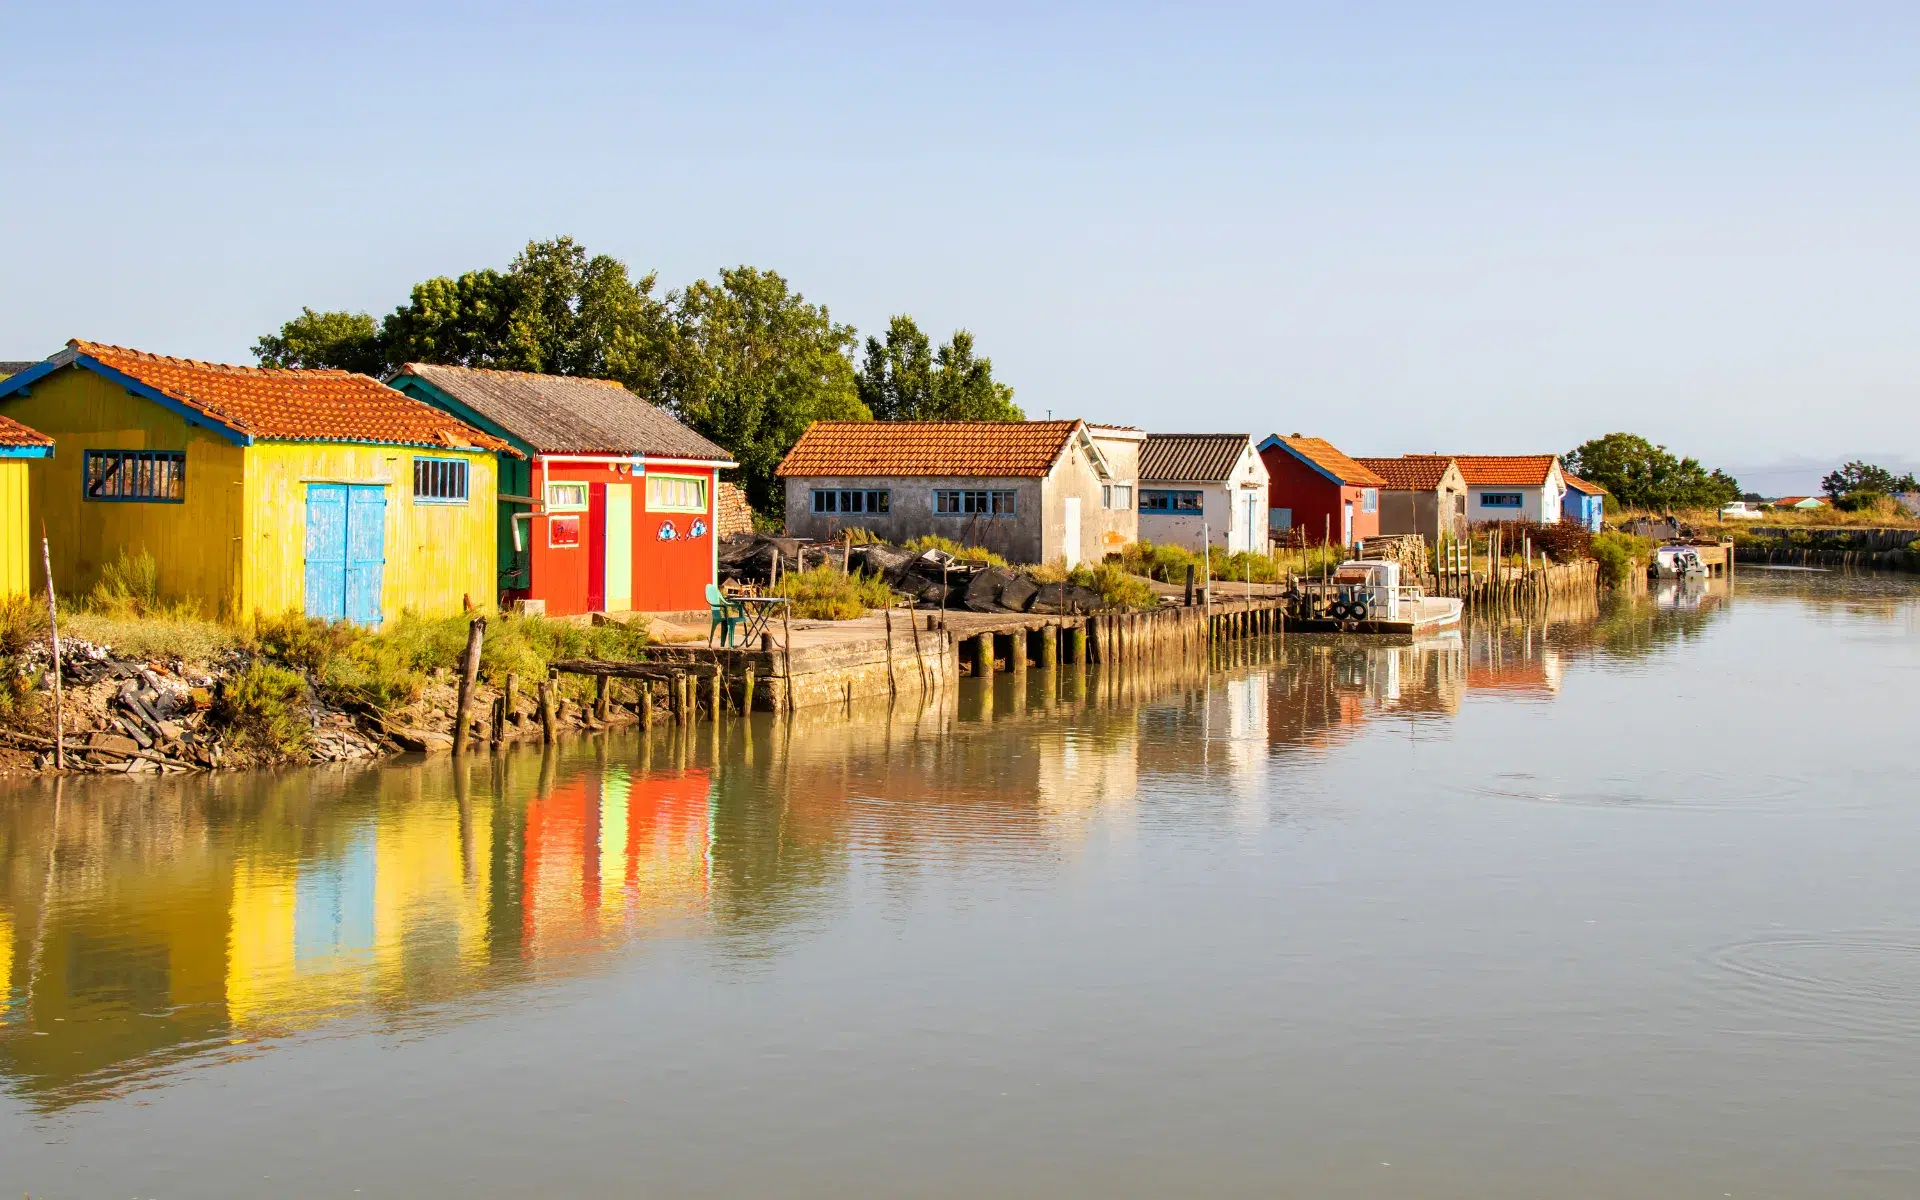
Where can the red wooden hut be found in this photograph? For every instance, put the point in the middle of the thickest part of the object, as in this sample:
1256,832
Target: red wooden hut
1314,488
613,507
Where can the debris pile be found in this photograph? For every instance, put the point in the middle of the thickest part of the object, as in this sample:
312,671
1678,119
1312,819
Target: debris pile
931,578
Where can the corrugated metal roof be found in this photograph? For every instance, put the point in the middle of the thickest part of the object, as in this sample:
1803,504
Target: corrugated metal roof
564,414
1506,470
979,449
1411,472
1190,457
297,406
1323,454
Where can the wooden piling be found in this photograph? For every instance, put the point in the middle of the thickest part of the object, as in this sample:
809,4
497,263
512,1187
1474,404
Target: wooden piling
714,701
1017,654
1077,644
1049,647
645,688
746,693
602,698
547,731
983,664
469,675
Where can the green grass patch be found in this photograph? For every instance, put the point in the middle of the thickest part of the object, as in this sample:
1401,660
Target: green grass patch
974,554
267,712
824,594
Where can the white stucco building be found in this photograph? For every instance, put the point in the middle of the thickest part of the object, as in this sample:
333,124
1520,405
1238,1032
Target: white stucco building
1203,485
1513,487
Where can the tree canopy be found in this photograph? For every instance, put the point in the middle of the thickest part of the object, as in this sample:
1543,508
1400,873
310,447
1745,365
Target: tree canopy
744,359
1856,477
905,379
1641,474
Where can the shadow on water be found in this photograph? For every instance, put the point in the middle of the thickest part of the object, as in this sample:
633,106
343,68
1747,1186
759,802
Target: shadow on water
149,924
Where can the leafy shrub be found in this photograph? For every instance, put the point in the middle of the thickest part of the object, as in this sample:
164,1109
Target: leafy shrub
823,593
1159,561
266,711
975,554
296,640
1117,586
371,672
129,587
1872,503
1616,553
19,693
23,624
1245,565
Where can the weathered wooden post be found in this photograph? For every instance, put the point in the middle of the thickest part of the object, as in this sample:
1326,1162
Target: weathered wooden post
746,693
1017,654
1077,644
1049,647
678,697
499,719
546,710
893,685
983,664
1189,585
512,696
53,633
602,698
715,699
469,675
645,689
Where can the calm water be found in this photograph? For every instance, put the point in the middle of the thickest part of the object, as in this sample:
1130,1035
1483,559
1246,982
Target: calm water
1617,904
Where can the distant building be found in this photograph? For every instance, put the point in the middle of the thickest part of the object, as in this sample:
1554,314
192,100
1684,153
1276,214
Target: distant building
1910,501
18,447
1584,503
1216,482
1317,490
259,491
1513,487
1423,494
607,503
1803,503
1030,491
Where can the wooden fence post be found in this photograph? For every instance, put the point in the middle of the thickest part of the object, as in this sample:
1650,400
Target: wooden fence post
469,675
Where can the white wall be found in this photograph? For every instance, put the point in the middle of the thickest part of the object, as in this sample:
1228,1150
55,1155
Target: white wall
1224,511
1540,504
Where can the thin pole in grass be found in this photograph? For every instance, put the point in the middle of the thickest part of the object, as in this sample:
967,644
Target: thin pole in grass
53,632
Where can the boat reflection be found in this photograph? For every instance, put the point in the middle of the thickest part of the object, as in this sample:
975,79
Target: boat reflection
150,924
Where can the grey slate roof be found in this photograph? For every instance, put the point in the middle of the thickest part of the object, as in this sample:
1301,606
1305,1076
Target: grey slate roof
14,368
1190,457
564,414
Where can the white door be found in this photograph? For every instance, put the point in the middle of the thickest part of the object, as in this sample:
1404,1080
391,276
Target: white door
1070,543
1346,524
1250,523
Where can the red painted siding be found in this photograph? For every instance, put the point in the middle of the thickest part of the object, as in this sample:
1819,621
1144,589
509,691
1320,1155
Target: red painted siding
1316,501
669,574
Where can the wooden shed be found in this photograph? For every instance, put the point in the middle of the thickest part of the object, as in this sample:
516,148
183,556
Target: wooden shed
607,503
19,446
1316,489
1424,494
259,491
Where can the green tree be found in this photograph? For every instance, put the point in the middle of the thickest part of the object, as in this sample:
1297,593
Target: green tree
349,341
1641,474
905,379
1865,477
751,364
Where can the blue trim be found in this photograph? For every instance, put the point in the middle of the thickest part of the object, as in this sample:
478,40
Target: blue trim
186,412
1322,472
17,384
26,451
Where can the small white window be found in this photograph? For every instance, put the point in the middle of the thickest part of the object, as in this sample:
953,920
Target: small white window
676,493
566,497
1119,496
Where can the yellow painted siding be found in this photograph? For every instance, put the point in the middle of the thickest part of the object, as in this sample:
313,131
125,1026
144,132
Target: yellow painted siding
437,554
193,543
15,530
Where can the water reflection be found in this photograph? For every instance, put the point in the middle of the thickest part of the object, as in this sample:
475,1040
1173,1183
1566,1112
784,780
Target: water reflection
145,925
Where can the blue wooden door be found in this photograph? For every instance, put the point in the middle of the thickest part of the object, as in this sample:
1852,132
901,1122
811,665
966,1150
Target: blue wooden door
346,551
327,551
366,553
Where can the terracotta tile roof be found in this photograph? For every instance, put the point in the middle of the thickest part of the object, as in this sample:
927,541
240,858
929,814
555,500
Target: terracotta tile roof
1506,470
566,414
1323,454
14,434
981,449
1582,485
1190,457
1409,473
293,406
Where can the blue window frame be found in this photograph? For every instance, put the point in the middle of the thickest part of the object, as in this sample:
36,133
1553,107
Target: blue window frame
852,500
439,480
1500,500
1157,500
983,502
136,476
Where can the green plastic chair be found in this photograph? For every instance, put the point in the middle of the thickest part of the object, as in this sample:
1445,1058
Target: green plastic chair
724,615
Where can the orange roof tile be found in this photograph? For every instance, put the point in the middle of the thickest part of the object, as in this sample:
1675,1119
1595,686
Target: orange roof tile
1506,470
1323,454
981,449
1409,473
299,406
18,436
1586,485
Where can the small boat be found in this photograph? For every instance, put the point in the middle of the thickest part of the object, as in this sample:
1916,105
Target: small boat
1366,596
1678,562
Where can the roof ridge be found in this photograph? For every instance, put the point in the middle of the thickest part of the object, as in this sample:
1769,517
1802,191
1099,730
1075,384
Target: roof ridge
414,366
201,364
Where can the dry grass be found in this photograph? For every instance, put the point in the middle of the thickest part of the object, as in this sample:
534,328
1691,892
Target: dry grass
824,594
974,554
160,637
1887,514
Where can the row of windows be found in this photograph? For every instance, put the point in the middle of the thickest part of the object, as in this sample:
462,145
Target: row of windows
141,476
984,502
848,500
1500,500
1157,501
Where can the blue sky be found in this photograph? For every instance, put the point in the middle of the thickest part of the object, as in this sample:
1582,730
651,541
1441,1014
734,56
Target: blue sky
1499,228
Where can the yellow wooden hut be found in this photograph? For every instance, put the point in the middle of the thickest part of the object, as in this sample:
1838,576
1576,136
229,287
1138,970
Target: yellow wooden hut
19,445
259,491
